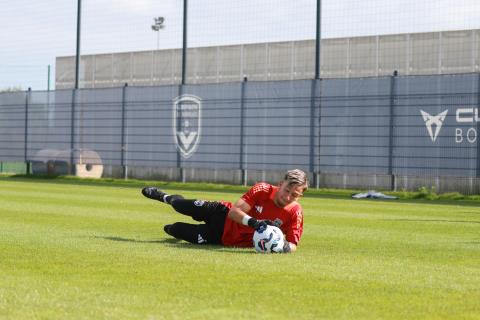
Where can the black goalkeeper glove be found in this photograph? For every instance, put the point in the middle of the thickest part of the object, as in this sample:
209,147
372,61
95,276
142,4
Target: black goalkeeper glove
286,247
259,225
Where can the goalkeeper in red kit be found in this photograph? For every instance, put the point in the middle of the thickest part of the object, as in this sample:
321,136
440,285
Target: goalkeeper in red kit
233,224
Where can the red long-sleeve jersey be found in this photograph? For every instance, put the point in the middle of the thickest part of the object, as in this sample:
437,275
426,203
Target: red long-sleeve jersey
260,199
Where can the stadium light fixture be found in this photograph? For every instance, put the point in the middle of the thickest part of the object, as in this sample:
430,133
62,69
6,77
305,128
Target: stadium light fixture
157,26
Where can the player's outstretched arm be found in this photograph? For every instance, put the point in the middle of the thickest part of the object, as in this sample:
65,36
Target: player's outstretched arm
238,213
239,210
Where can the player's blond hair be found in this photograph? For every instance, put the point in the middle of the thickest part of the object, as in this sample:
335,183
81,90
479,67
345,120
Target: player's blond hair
296,177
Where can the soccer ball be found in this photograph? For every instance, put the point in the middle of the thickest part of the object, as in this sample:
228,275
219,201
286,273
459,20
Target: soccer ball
270,240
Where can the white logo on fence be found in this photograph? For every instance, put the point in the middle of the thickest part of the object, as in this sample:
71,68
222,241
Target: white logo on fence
187,120
436,121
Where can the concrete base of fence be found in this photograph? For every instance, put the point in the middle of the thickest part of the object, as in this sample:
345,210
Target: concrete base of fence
370,181
355,181
464,185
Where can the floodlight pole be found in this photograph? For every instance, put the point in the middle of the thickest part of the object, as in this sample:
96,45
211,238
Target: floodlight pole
77,56
157,26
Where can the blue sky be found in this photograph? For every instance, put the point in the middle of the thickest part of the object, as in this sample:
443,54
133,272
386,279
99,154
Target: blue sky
33,33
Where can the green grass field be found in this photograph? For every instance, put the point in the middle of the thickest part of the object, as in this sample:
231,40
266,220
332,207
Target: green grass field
72,250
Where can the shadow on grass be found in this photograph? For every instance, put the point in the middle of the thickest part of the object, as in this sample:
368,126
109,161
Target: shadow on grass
172,242
473,242
119,239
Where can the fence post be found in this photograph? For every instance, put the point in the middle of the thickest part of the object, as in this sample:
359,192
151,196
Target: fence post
390,140
313,91
184,80
242,132
71,170
179,156
318,64
478,127
318,39
77,54
124,145
184,45
25,152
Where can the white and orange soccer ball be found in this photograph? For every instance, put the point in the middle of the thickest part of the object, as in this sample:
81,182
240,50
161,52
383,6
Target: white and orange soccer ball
270,240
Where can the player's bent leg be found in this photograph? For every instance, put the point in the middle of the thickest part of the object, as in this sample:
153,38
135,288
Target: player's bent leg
199,210
189,208
193,233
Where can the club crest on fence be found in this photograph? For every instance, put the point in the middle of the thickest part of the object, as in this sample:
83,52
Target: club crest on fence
433,123
187,123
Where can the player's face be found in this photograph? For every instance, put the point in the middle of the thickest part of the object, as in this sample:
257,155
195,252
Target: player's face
287,194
